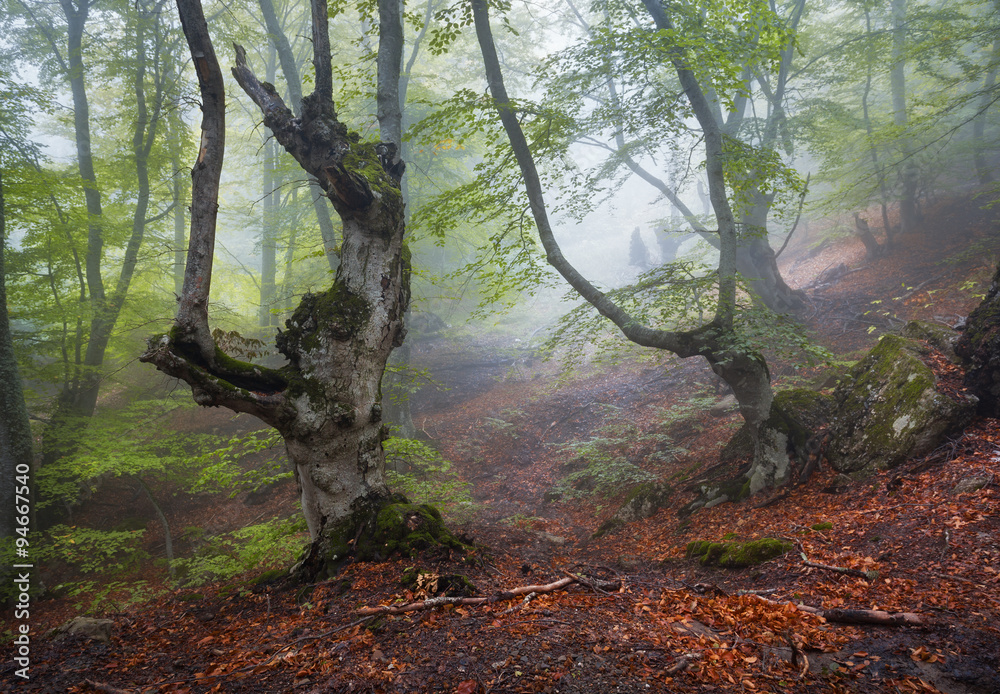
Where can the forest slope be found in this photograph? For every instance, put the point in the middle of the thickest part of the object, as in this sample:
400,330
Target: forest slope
648,618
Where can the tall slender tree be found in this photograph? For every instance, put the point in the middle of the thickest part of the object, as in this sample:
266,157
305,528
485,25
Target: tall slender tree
102,294
645,132
15,429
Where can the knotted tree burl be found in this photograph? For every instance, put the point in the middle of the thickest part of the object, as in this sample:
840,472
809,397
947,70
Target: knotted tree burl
326,401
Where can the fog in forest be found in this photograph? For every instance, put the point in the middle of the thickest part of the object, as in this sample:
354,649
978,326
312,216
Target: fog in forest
663,194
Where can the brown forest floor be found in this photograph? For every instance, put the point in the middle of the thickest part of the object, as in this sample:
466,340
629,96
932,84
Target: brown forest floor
670,625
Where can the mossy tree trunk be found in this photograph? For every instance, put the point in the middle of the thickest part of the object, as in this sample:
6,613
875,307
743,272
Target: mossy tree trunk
747,374
326,402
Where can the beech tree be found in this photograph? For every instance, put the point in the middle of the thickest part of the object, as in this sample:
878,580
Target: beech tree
896,103
326,403
717,340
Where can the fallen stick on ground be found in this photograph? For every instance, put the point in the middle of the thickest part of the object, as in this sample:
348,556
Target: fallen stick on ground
431,603
889,619
867,575
845,616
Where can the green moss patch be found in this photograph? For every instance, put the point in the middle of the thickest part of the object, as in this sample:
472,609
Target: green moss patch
889,409
378,529
737,555
409,529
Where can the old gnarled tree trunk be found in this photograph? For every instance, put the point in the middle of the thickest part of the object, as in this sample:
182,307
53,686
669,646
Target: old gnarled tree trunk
326,402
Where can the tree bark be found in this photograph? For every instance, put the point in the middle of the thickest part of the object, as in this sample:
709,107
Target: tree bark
179,236
864,232
293,80
909,173
326,403
755,258
983,172
758,264
270,203
872,150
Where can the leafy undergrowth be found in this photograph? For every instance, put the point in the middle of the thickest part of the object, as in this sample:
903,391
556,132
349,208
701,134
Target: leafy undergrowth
546,463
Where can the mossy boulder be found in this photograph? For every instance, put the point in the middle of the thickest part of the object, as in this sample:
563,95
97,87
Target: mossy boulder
808,408
376,531
84,627
889,409
796,413
737,555
642,502
979,349
408,529
940,337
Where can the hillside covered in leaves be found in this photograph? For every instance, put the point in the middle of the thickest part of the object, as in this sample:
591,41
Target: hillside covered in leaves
886,583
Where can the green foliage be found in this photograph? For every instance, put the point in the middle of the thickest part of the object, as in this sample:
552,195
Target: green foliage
492,209
130,442
95,597
88,550
420,473
600,464
848,112
221,471
272,543
679,296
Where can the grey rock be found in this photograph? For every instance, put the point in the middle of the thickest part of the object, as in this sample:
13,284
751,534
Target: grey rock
94,629
970,484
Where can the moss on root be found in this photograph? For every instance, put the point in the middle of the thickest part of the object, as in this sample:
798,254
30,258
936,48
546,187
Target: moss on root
375,531
737,555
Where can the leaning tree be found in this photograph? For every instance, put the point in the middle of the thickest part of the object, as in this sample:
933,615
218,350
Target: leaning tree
326,402
718,340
